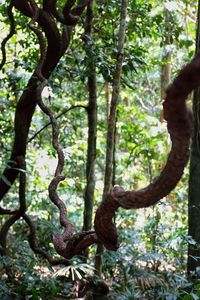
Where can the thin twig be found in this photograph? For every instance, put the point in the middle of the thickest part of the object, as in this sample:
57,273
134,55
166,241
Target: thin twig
57,117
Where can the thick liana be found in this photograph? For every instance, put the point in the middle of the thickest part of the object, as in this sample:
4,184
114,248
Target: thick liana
179,125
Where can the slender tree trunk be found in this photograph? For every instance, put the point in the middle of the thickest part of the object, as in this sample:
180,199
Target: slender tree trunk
92,122
165,72
194,180
166,62
112,120
114,152
107,96
114,101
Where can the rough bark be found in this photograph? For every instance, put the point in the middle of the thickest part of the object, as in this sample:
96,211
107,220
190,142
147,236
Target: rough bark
179,124
194,193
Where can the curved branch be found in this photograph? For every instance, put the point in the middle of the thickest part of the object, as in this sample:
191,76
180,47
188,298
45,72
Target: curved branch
34,247
78,10
69,246
8,37
65,17
4,232
179,124
57,117
24,7
20,212
4,211
69,18
66,244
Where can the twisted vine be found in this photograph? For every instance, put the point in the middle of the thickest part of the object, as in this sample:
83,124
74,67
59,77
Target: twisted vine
38,81
66,244
179,125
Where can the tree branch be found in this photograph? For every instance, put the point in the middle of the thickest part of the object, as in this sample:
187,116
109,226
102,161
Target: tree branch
8,37
34,247
19,213
57,117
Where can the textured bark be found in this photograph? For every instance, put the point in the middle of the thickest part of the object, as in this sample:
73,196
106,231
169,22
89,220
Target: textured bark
92,122
179,124
107,96
194,179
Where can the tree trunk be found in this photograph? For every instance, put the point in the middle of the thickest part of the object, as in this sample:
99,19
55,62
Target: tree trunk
166,62
194,180
112,120
165,72
92,124
114,100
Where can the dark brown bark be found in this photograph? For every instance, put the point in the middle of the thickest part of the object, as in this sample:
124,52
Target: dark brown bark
36,249
98,260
